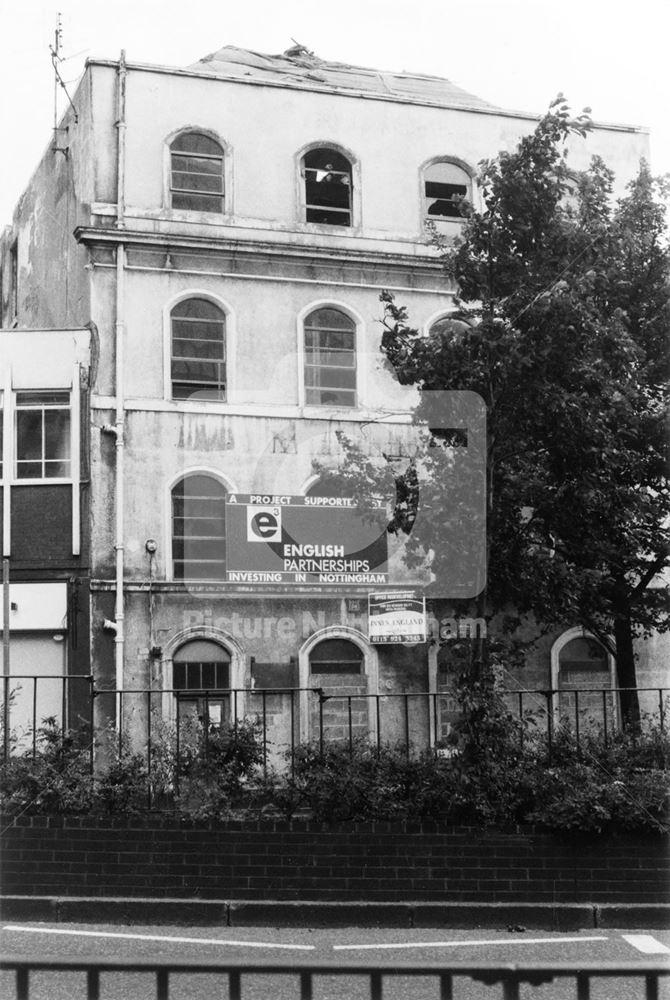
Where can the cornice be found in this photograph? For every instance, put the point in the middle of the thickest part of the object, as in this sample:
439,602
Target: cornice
110,237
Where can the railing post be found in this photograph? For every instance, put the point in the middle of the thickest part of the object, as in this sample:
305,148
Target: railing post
93,984
265,733
406,704
521,720
292,693
305,986
351,731
5,716
661,710
34,740
376,986
22,984
605,716
120,745
162,984
577,722
550,723
149,792
379,724
91,722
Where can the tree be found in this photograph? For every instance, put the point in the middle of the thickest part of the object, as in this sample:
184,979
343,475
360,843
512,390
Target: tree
564,309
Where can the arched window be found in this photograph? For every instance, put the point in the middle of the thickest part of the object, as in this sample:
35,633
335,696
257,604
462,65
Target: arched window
198,350
196,173
330,358
200,673
198,529
584,681
328,184
446,185
336,656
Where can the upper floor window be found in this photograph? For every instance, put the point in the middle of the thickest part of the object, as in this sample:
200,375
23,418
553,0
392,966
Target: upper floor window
43,435
196,173
446,185
198,350
198,529
330,358
327,175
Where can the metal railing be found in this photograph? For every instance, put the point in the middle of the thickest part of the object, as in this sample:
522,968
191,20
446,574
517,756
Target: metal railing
509,977
417,720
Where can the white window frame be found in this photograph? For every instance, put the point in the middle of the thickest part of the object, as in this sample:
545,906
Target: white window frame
73,436
578,632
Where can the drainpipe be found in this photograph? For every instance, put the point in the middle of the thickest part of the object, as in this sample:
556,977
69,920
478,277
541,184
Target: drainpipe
119,636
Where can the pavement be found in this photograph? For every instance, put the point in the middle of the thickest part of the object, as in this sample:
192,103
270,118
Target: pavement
279,913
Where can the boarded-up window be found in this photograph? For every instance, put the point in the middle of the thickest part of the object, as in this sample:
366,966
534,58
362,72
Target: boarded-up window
198,529
198,345
196,173
327,176
330,358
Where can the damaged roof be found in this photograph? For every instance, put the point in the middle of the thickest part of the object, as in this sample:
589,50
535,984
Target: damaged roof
298,67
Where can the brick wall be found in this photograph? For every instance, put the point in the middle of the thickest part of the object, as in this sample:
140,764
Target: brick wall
301,860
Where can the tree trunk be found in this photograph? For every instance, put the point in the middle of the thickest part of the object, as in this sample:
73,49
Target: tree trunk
625,669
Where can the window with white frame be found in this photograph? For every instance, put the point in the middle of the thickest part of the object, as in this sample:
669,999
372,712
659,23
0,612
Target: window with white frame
328,187
198,529
198,350
446,185
330,358
196,173
43,434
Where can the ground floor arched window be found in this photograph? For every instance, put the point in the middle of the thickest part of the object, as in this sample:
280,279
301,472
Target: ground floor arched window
583,679
201,682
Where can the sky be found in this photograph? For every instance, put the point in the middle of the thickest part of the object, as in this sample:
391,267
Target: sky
609,55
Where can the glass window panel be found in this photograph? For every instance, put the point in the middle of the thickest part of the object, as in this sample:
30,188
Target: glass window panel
51,397
196,142
197,202
29,434
329,397
198,529
197,182
196,165
198,309
197,392
329,319
208,675
56,470
56,434
197,349
29,470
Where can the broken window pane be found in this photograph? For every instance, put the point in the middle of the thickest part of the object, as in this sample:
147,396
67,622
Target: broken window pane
446,186
327,176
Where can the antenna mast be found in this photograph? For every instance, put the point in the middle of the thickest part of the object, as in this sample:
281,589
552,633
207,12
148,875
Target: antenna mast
56,58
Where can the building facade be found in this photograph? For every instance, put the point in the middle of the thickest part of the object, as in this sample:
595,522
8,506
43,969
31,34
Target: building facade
228,229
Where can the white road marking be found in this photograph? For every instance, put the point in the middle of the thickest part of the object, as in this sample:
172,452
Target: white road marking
160,937
646,944
460,944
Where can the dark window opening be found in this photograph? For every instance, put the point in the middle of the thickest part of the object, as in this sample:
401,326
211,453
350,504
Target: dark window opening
198,351
196,173
200,675
336,656
327,187
446,187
